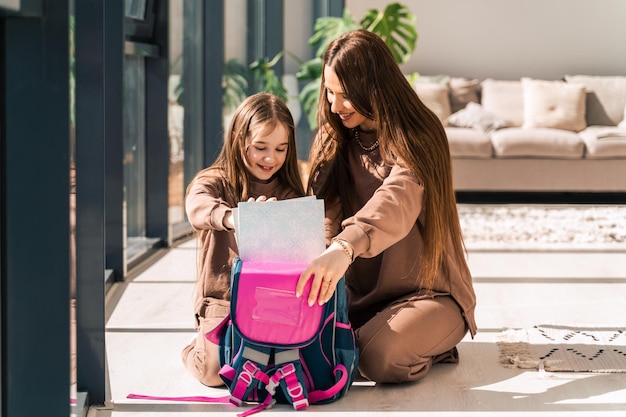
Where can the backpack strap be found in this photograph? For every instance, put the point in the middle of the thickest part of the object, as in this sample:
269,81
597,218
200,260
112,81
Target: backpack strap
289,376
245,380
195,398
319,395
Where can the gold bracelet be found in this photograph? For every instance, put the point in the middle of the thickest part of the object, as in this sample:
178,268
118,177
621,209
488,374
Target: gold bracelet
344,246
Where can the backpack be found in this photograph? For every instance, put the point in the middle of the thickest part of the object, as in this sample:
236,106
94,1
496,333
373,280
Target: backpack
275,348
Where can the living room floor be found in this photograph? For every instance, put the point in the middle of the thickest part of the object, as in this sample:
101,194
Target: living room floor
150,320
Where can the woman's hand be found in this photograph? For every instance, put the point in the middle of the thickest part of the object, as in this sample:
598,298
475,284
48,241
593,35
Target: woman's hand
326,270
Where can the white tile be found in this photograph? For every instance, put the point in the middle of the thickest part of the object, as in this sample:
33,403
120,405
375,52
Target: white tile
176,265
149,363
154,305
553,264
520,304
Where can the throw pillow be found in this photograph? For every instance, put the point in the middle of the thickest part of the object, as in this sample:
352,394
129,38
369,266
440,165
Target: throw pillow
462,91
436,97
504,98
606,98
474,116
554,104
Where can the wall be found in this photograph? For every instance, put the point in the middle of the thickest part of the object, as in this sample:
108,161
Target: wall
507,39
298,28
235,12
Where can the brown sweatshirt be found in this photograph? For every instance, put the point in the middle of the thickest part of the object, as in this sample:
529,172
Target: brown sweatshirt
387,240
206,205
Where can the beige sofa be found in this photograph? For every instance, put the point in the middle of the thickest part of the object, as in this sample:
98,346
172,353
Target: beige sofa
532,135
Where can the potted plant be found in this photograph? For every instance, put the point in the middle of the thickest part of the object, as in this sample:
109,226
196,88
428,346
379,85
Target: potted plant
395,24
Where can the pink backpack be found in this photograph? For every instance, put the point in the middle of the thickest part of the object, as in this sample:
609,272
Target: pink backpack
274,347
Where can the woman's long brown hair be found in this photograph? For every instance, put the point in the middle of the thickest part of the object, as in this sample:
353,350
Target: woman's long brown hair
409,133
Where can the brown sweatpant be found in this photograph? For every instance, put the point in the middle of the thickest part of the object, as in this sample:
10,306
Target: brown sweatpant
201,357
403,341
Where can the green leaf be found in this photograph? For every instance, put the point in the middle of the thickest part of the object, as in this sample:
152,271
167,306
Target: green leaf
309,97
264,78
234,85
397,26
412,77
309,94
310,70
328,28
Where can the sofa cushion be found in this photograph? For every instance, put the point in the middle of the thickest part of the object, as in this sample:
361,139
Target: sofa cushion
554,104
537,142
469,143
436,97
605,99
462,91
622,124
475,116
504,98
604,142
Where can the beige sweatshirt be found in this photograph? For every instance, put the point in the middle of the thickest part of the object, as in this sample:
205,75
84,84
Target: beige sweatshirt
387,241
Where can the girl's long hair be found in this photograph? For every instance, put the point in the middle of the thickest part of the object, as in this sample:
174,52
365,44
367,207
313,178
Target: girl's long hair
257,114
409,133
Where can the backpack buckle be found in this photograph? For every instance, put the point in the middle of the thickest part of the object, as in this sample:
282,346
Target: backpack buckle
301,404
271,386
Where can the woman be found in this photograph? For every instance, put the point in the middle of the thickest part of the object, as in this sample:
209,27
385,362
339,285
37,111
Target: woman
381,163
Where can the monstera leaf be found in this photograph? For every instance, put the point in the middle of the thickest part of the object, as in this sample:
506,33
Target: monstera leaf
396,25
328,28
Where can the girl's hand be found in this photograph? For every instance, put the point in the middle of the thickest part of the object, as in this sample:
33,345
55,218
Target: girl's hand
228,221
228,218
326,270
261,198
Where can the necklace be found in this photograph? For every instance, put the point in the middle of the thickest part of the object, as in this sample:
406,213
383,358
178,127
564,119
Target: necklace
357,137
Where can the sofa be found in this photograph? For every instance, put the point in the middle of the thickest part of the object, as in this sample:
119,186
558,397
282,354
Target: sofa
531,135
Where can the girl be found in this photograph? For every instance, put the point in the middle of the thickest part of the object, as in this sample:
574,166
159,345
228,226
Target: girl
381,163
258,159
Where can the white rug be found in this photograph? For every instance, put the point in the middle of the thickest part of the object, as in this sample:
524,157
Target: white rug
543,227
556,348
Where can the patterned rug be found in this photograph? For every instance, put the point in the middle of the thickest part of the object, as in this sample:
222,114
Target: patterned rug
556,348
543,227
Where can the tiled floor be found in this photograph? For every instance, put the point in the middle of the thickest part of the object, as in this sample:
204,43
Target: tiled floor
151,320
